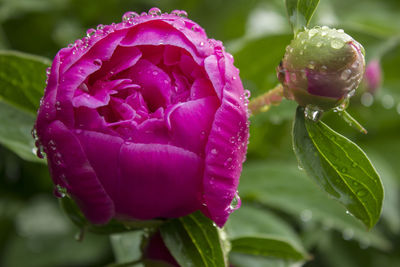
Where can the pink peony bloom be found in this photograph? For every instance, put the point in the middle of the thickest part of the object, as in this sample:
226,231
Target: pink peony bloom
145,119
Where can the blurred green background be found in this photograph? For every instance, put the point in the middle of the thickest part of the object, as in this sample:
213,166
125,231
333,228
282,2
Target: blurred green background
35,232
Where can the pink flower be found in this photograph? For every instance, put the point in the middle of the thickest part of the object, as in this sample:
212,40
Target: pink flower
145,119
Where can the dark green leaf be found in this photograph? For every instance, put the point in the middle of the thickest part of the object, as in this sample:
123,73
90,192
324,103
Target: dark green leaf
269,246
340,167
265,234
194,240
114,226
22,79
246,260
46,238
300,13
15,131
282,186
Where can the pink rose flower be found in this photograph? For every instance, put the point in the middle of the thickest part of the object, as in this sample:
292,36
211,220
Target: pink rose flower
145,119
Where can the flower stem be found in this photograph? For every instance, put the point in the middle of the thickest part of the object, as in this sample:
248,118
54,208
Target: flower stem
263,102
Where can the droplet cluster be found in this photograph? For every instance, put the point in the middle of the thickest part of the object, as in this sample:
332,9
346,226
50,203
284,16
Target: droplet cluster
321,67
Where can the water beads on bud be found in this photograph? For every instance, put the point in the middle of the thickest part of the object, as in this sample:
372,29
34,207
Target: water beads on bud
154,12
313,113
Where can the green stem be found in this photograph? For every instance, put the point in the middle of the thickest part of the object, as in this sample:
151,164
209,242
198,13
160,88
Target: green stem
351,121
263,102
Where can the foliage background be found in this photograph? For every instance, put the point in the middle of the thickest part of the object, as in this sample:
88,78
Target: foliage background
34,231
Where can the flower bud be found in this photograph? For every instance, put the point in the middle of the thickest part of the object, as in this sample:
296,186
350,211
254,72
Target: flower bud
322,67
373,76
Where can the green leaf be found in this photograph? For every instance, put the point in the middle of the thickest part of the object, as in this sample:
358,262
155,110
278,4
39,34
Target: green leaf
22,79
340,168
194,240
246,260
282,186
126,246
265,234
15,131
46,238
300,13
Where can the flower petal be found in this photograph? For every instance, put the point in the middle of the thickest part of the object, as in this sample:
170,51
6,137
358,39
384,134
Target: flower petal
158,181
184,132
225,153
70,167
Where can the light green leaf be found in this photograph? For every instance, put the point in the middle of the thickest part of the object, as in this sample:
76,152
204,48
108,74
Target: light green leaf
15,132
22,79
126,246
300,13
282,186
340,168
265,234
194,240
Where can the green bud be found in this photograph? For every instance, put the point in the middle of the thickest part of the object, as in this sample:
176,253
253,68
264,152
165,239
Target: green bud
322,67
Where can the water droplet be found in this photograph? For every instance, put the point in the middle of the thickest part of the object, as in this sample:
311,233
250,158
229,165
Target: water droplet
312,32
154,12
306,215
180,13
60,191
337,44
300,167
155,73
227,162
319,44
247,94
323,34
100,27
313,113
201,44
235,204
90,32
58,105
350,93
341,30
214,151
52,145
345,74
97,62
